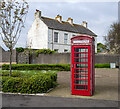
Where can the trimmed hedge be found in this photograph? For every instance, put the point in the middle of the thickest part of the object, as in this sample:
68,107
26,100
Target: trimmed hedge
58,67
106,65
38,83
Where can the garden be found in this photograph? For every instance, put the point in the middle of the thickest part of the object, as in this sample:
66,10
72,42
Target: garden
33,78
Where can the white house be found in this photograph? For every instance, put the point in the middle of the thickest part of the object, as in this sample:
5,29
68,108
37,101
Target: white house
55,34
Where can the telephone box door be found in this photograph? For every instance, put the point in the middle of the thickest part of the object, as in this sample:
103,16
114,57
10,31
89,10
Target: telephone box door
80,70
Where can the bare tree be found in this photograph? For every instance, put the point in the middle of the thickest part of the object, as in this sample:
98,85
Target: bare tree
12,19
113,38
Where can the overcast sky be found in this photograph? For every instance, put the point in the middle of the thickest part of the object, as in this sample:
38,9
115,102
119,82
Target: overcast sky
99,15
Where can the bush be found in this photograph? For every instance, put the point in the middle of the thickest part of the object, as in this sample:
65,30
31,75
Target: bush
44,51
20,49
106,65
59,67
39,83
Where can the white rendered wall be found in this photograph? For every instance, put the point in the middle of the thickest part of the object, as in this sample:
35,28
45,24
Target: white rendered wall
38,35
60,45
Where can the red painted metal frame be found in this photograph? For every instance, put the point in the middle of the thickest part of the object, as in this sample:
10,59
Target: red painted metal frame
89,89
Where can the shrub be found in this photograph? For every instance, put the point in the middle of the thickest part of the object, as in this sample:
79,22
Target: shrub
39,83
44,51
106,65
20,49
59,67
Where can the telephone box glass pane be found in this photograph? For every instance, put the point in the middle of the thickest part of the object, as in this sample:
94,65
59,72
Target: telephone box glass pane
80,87
81,60
80,76
80,81
82,54
80,49
80,70
81,65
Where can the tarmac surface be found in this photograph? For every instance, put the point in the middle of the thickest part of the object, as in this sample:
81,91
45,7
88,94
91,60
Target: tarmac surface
50,101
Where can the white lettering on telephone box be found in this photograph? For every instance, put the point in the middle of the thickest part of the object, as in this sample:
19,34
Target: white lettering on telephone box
81,41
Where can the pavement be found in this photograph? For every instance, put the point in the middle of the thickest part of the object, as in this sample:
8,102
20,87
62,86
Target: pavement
106,85
106,93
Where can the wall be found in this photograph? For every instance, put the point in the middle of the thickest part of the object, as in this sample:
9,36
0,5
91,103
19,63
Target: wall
23,58
100,59
56,58
60,45
38,35
64,58
5,56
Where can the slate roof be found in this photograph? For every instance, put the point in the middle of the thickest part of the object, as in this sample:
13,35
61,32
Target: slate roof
65,26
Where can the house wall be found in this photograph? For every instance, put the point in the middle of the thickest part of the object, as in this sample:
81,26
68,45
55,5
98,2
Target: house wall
60,45
38,35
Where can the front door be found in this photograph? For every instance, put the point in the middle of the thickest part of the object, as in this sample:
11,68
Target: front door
80,70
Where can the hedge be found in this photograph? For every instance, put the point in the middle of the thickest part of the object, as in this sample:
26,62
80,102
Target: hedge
106,65
39,83
58,67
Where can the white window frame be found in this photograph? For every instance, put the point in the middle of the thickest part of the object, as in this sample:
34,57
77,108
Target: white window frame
65,39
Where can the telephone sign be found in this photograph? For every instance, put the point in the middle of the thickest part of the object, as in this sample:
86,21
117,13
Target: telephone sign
82,65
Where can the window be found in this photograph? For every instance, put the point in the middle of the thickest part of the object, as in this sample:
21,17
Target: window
73,35
56,37
55,49
65,50
65,38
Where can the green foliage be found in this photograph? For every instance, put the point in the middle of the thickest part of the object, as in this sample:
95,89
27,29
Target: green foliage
44,51
58,67
20,49
101,47
106,65
30,83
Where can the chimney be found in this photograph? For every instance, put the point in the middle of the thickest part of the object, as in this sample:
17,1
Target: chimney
59,18
37,13
84,23
70,20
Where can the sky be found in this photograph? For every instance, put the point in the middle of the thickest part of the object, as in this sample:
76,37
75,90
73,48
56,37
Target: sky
98,15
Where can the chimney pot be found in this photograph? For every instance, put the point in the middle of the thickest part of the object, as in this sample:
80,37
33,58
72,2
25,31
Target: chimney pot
37,13
70,20
59,18
84,23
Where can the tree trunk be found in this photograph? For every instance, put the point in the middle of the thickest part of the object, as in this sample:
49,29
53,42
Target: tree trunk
10,61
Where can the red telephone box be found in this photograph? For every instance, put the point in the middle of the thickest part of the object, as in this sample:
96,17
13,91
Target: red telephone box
82,65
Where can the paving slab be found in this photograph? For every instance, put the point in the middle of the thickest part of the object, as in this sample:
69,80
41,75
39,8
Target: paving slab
106,85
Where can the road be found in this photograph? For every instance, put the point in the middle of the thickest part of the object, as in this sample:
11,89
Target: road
11,100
